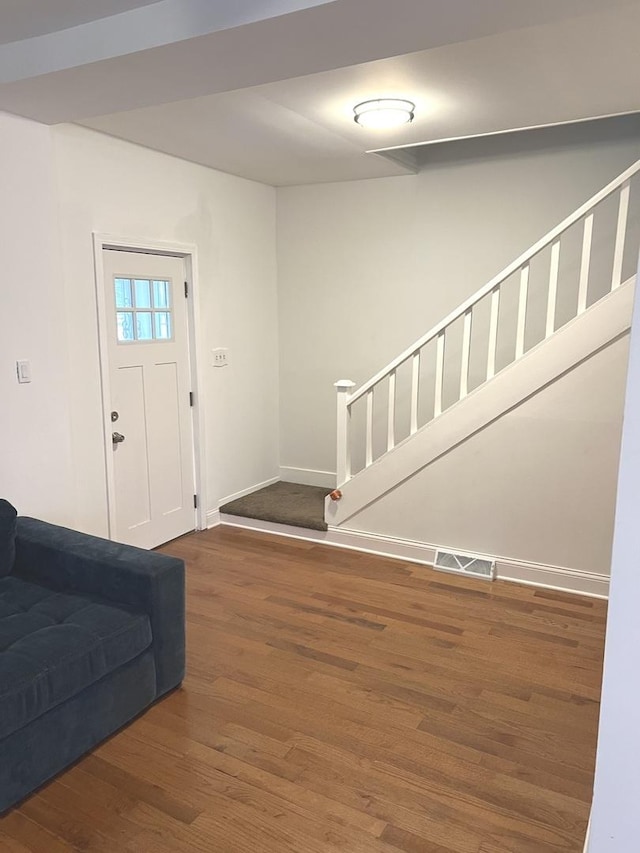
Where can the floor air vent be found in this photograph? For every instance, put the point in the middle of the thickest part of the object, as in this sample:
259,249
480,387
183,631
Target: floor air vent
465,564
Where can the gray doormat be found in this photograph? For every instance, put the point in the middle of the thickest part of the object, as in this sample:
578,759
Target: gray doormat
283,503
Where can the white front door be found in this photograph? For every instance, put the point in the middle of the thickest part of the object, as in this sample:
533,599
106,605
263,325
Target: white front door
150,433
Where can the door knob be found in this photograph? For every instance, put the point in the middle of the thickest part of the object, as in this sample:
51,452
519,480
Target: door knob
117,437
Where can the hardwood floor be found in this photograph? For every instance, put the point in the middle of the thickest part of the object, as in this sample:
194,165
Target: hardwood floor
337,701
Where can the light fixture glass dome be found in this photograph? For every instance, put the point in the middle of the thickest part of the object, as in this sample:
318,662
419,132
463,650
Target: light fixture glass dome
382,113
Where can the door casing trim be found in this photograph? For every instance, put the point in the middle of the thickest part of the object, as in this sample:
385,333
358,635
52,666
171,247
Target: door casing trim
189,253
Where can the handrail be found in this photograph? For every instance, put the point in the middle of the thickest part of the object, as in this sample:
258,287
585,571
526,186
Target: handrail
497,280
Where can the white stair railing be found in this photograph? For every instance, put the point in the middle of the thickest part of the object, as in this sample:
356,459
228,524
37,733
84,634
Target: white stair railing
416,356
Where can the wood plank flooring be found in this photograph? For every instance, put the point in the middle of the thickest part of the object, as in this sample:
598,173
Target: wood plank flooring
337,701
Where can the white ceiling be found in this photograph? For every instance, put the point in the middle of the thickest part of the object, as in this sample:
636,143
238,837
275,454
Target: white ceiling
24,19
129,38
271,99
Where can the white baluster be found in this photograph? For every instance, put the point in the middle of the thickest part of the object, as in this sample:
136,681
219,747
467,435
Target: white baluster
466,351
369,436
583,286
391,424
553,289
415,383
493,333
618,254
437,409
522,310
343,456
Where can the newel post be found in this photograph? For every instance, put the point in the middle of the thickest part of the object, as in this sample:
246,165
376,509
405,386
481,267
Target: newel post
343,386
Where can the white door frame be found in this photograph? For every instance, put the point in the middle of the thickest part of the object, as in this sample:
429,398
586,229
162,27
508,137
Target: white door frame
189,253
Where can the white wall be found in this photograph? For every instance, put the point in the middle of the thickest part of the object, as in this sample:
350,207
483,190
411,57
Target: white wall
58,186
346,251
106,185
35,460
366,267
537,485
615,820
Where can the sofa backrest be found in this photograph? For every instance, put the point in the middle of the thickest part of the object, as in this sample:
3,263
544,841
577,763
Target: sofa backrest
7,537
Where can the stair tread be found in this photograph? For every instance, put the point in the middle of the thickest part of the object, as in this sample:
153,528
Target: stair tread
283,503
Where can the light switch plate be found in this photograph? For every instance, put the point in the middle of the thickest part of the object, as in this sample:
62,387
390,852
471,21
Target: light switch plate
23,369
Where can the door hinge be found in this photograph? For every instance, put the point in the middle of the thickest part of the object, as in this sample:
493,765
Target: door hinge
191,398
195,502
186,289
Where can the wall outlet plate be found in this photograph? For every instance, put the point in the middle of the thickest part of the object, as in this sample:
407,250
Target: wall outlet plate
220,357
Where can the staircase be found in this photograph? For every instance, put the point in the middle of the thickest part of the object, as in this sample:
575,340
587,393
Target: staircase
565,298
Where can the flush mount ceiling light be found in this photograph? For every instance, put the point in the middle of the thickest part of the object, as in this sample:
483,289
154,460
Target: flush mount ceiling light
382,113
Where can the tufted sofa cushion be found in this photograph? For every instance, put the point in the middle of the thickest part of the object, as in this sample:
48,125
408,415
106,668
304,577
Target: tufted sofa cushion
53,645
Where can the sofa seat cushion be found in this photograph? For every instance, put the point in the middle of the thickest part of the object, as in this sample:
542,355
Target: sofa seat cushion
53,645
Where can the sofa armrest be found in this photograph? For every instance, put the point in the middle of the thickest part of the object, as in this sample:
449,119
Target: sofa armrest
146,581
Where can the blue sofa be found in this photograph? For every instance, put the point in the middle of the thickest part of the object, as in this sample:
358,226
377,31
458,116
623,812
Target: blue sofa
91,633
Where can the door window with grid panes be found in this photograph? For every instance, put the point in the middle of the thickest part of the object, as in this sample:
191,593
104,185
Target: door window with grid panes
143,310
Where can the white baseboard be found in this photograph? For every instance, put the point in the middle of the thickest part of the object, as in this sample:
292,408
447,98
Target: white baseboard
213,518
244,492
517,571
309,477
383,546
554,577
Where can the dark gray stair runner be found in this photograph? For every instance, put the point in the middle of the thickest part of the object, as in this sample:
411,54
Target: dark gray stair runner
283,503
